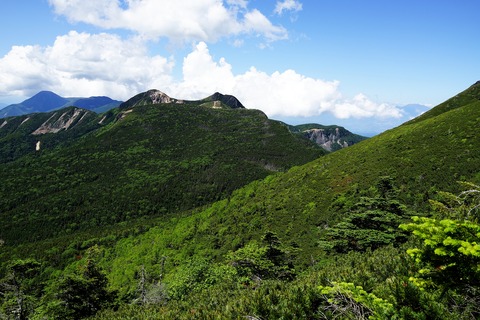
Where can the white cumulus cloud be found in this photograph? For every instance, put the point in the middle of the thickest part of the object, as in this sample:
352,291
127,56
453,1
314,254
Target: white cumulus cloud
180,20
83,64
362,107
288,5
23,70
286,93
203,76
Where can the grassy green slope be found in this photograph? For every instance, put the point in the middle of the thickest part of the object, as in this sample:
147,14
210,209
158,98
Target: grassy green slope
183,249
421,157
153,160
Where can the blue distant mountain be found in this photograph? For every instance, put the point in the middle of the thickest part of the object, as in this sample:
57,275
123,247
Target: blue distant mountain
46,101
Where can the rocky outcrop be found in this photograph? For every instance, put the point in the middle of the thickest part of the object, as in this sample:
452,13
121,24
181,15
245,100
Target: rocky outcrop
226,99
149,97
156,96
329,141
216,100
61,121
330,138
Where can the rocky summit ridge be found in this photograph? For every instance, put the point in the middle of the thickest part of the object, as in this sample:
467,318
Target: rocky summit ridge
154,96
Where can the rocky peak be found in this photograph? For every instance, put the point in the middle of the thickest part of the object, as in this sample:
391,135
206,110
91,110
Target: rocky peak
330,138
149,97
226,99
157,96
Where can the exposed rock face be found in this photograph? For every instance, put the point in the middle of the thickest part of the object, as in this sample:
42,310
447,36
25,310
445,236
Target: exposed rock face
149,97
327,139
157,96
229,100
61,121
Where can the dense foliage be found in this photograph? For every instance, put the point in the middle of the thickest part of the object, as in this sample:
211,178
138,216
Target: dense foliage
318,241
370,223
450,255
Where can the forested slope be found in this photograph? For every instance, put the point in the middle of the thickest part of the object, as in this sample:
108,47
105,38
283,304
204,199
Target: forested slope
334,199
151,160
319,241
300,205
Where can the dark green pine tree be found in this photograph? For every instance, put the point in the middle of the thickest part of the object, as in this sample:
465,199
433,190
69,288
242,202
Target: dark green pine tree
82,293
19,290
370,223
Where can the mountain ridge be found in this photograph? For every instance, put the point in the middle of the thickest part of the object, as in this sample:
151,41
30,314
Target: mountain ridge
155,96
12,148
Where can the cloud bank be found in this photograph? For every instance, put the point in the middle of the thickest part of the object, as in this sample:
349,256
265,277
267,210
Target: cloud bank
286,93
184,20
82,64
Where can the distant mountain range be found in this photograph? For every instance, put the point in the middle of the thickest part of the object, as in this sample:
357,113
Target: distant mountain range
46,101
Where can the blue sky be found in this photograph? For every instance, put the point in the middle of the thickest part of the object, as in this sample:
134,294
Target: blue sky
347,62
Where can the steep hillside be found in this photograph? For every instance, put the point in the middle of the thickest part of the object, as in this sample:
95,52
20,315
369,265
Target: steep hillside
22,135
301,204
421,158
331,138
263,251
151,160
